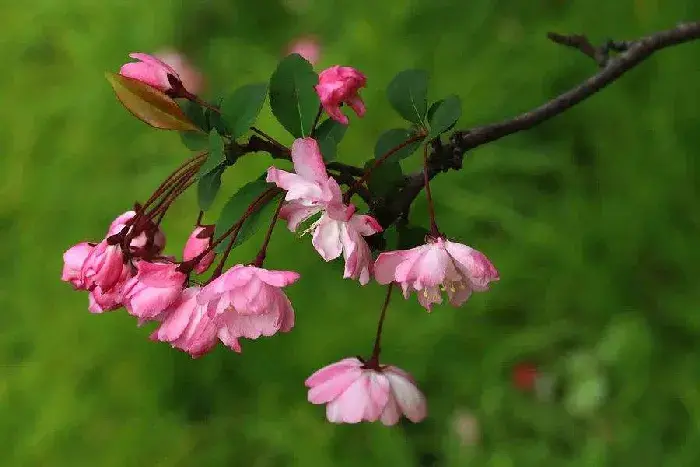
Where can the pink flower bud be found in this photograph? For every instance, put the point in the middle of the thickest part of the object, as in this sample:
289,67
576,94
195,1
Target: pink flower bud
340,84
196,244
150,241
150,70
103,267
355,394
436,267
189,75
155,287
250,302
73,260
101,301
307,47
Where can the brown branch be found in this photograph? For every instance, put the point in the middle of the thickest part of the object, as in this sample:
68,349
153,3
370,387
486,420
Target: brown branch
449,156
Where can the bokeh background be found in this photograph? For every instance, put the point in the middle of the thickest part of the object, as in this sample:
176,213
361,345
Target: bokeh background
592,220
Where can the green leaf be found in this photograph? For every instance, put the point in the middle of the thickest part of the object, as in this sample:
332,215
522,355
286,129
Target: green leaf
392,239
410,236
241,108
195,140
236,206
443,115
252,224
384,177
293,99
214,120
408,95
216,154
208,187
149,105
329,134
393,138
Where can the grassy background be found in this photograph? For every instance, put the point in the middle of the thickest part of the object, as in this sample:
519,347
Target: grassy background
591,219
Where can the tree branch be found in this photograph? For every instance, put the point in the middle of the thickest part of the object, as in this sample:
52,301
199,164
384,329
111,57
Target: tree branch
449,156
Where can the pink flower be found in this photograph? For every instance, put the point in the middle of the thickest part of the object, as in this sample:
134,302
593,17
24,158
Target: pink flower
333,236
250,302
187,326
309,183
438,265
354,394
190,76
307,47
155,287
340,84
150,70
73,260
311,191
101,301
150,241
103,267
199,241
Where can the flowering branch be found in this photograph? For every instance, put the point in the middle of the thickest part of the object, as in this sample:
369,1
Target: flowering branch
127,268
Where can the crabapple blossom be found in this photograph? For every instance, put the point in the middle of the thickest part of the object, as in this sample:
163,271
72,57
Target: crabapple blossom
149,70
340,85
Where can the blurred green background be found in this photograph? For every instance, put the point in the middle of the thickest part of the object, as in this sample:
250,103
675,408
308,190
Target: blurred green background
591,219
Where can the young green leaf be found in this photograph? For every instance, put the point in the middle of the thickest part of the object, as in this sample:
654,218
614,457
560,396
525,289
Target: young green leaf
236,207
241,108
293,99
443,115
208,187
195,140
329,134
408,95
216,154
384,177
393,138
149,104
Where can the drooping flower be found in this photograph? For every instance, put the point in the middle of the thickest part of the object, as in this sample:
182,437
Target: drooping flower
73,260
311,191
338,85
308,47
355,394
150,70
191,78
103,267
250,302
335,235
187,326
439,265
198,242
153,289
101,301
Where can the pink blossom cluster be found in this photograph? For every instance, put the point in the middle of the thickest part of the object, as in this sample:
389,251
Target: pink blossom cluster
243,302
127,267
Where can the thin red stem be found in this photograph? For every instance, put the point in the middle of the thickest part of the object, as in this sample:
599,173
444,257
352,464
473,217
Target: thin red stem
260,258
377,163
172,179
434,231
373,362
251,209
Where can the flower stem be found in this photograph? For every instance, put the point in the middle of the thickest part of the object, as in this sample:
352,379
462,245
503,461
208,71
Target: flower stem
220,267
265,196
260,258
434,231
378,162
373,362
